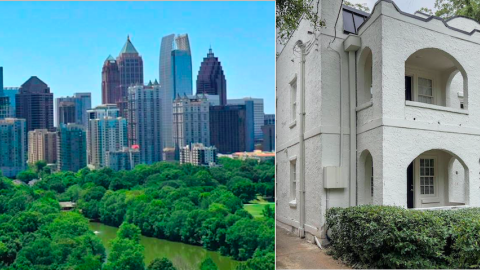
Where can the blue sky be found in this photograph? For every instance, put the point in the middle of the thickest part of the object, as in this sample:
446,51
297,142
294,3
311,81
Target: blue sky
66,43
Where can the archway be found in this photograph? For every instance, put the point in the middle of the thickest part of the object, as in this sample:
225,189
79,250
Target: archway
437,178
365,79
435,77
365,178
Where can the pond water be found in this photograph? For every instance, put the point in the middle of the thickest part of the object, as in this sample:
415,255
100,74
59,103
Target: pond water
183,256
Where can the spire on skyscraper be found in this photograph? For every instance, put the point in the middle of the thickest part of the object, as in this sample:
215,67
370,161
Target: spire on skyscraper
128,47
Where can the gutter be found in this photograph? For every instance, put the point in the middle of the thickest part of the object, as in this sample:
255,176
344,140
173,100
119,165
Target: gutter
301,137
351,45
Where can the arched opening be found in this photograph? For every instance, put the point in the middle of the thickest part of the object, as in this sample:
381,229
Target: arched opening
437,178
365,176
434,77
365,82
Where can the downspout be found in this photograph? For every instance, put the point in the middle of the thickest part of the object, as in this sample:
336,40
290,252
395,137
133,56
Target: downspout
301,138
351,45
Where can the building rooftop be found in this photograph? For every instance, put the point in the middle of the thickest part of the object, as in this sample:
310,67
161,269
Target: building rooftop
128,47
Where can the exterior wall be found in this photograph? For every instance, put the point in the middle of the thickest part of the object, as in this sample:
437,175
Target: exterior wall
111,91
125,159
229,127
11,93
13,146
393,131
258,114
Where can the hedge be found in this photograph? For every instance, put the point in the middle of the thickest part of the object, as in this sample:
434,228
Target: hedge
392,237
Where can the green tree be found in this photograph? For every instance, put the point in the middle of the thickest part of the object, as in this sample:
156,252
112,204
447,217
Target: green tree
26,176
129,231
125,254
208,264
450,8
161,264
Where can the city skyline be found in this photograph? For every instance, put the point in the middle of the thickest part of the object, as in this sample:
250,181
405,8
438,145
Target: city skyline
244,46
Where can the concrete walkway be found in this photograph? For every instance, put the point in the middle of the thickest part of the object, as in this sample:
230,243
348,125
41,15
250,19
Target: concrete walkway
295,253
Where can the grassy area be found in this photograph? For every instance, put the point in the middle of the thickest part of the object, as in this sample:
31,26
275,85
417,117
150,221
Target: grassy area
256,209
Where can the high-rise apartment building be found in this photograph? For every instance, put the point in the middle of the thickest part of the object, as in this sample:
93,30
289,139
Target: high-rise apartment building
231,128
111,91
258,114
175,68
11,93
144,120
211,79
106,132
199,155
191,120
71,147
130,66
34,103
13,146
124,159
42,145
73,109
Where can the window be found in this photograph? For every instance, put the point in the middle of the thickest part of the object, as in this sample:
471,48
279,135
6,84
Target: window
427,176
425,90
293,180
293,99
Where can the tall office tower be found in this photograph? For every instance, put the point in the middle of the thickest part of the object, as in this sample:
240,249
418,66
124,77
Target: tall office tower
199,155
144,120
191,120
34,103
175,77
71,147
268,130
124,159
42,145
13,146
231,128
11,93
106,132
210,79
73,109
1,81
182,66
65,112
111,91
83,103
258,114
130,66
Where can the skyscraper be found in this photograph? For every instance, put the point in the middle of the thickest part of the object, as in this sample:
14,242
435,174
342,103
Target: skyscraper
42,145
13,148
71,147
106,132
191,120
65,112
130,66
175,78
231,128
210,79
144,120
4,100
258,114
11,93
111,92
73,109
34,103
268,130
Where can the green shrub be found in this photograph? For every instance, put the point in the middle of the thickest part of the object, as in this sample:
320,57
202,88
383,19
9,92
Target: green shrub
394,237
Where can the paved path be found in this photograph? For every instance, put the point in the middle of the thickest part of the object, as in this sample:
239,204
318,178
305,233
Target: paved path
295,253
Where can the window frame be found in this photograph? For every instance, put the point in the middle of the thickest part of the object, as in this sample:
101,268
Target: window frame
293,173
435,178
293,102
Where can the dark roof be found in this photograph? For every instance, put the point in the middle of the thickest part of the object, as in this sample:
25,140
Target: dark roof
352,19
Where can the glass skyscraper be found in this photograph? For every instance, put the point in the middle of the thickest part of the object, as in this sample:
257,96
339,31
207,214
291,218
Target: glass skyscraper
175,67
